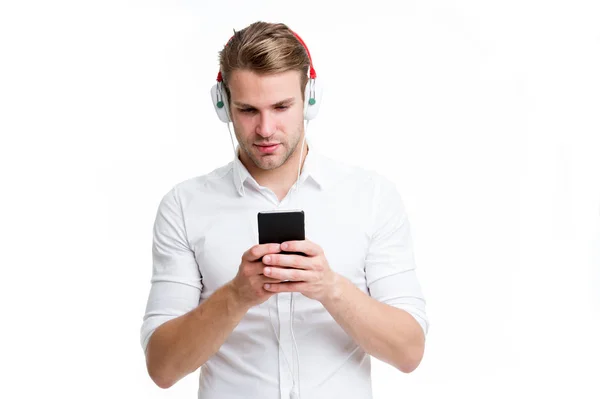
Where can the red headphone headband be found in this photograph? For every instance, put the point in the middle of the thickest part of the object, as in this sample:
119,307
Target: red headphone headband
313,73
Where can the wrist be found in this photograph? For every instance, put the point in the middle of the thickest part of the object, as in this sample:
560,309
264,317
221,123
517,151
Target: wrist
335,292
235,302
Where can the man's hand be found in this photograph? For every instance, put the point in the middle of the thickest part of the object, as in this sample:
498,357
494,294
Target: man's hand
249,282
310,275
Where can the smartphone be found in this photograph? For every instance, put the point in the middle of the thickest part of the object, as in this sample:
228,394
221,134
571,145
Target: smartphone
276,227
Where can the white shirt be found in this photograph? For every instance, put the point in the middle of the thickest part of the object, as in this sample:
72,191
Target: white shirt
205,224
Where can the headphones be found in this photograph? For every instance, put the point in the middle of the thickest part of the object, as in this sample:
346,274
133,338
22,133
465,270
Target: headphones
312,93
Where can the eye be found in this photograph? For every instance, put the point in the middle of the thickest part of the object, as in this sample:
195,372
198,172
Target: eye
282,107
247,110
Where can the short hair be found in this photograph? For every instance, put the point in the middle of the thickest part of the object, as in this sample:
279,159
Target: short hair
264,48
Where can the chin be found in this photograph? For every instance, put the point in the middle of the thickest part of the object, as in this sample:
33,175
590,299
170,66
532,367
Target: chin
268,164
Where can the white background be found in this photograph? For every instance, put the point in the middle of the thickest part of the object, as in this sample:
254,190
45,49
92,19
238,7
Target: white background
485,114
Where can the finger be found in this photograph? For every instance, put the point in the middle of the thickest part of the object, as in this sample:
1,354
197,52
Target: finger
284,274
258,251
286,287
269,280
257,269
296,261
307,247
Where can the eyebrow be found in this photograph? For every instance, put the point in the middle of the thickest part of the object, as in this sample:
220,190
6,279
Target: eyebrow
287,101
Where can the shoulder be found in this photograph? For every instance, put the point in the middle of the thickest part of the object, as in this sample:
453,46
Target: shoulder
191,189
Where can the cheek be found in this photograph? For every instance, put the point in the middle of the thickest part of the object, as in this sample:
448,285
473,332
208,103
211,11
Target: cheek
244,126
290,121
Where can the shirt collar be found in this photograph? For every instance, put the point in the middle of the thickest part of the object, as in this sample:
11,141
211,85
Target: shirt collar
313,167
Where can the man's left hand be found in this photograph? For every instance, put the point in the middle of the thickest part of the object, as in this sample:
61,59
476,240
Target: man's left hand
310,275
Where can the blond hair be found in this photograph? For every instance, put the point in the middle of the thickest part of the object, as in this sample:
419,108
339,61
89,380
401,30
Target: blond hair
264,48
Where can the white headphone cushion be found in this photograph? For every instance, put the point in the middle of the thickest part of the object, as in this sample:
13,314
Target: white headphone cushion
311,111
222,112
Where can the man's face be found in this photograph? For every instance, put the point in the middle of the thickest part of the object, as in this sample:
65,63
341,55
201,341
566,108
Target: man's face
267,110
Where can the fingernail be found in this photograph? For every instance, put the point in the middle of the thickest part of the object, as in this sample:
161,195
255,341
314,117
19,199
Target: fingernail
267,270
284,246
267,258
267,286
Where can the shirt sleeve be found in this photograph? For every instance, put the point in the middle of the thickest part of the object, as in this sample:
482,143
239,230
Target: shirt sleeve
390,264
176,281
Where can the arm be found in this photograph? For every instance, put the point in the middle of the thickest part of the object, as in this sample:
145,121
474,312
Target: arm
388,333
390,322
179,346
178,335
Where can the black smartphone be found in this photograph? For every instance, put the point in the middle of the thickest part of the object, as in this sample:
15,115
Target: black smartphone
277,227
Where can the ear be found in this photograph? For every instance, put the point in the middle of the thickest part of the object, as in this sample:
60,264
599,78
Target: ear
219,99
312,98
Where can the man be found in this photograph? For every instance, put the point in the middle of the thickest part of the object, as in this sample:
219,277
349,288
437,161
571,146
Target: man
215,292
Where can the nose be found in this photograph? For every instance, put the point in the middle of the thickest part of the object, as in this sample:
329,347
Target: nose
266,125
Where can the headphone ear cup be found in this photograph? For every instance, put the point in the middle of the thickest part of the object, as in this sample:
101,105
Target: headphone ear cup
219,100
312,98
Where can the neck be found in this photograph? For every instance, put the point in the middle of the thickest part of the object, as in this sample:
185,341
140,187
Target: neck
279,180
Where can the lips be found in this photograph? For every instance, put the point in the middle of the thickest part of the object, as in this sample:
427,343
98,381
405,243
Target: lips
267,149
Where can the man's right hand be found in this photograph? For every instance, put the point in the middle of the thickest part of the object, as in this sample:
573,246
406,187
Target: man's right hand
249,282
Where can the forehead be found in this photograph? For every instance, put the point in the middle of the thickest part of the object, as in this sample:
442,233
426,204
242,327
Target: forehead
262,89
